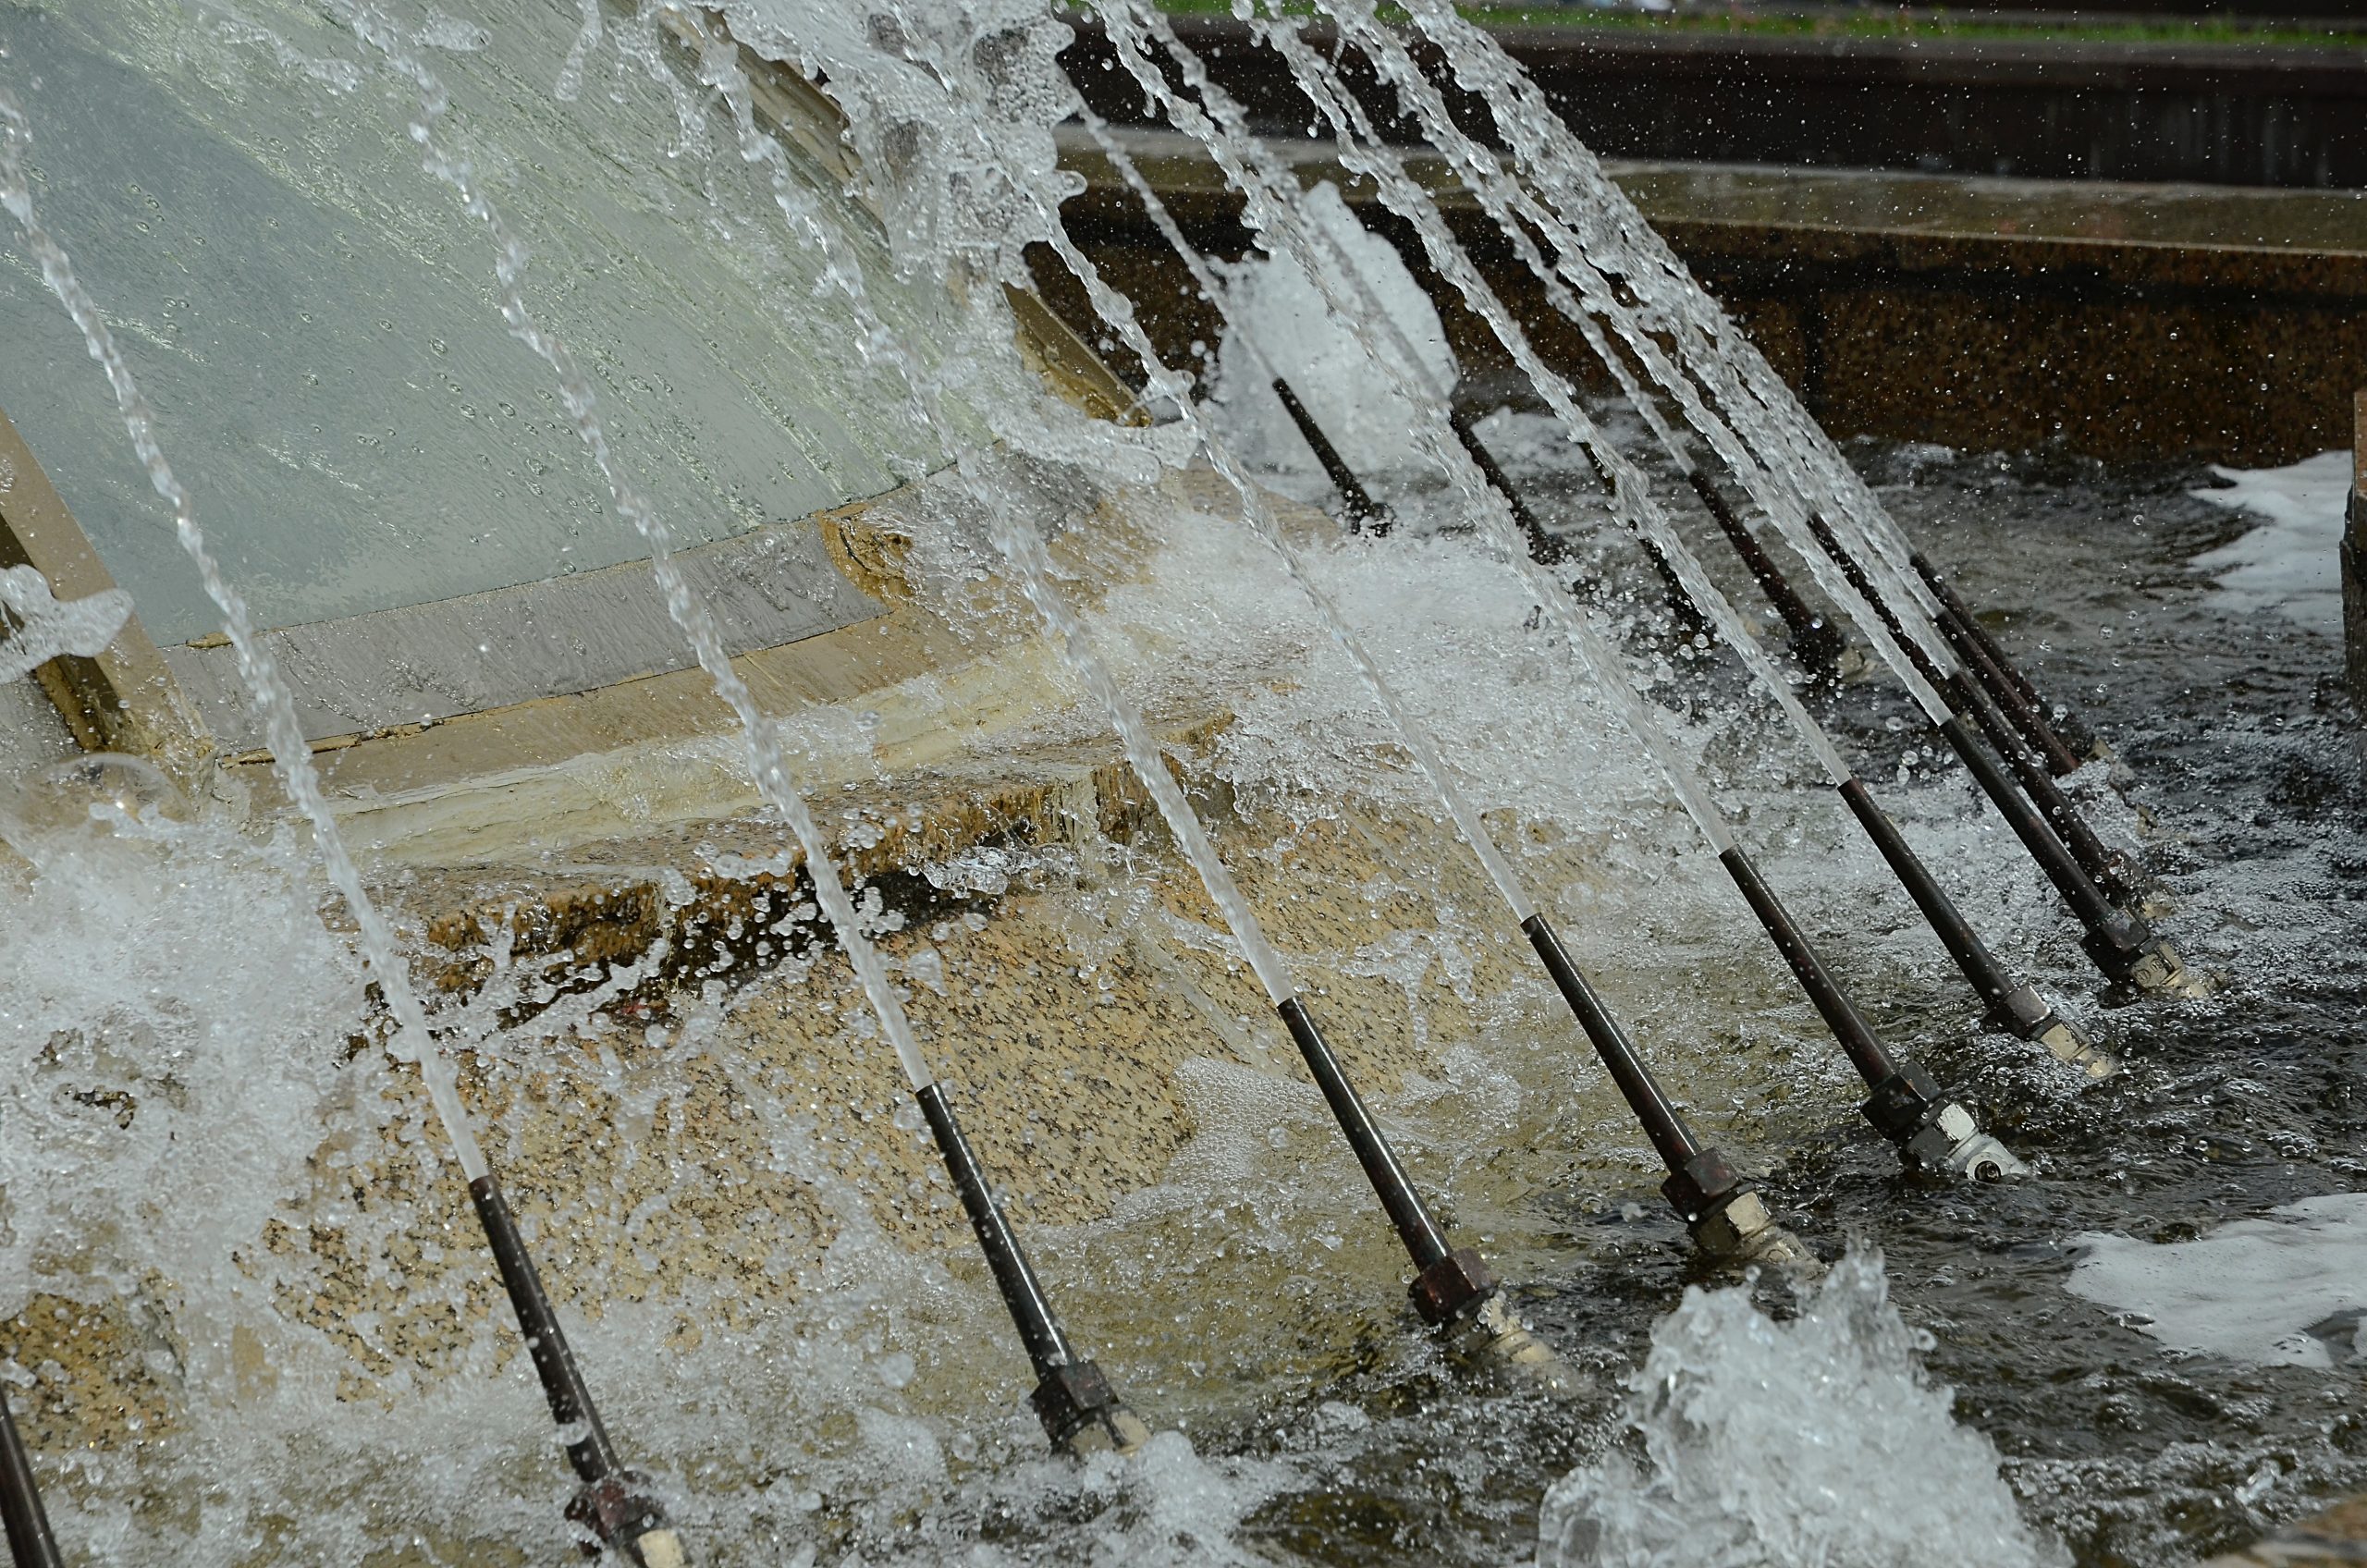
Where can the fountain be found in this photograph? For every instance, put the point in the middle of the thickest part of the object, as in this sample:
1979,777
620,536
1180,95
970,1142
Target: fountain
998,719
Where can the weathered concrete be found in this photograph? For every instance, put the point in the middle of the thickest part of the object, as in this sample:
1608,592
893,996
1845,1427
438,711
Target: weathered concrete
2120,321
1064,1029
1064,1037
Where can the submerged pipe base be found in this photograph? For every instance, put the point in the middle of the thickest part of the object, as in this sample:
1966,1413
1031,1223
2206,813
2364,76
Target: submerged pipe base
1495,1332
1081,1414
1729,1219
2030,1016
2067,1046
1741,1231
2160,971
625,1516
1934,1133
1968,1152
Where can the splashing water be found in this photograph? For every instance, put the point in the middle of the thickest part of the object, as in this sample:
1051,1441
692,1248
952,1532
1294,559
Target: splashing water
1774,1444
683,604
2288,563
2287,1289
1282,327
292,758
799,1426
46,628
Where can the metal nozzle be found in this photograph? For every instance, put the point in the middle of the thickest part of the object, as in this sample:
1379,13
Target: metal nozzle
2074,1049
1081,1414
1495,1332
2026,1014
1934,1131
623,1514
2159,970
1954,1145
1742,1231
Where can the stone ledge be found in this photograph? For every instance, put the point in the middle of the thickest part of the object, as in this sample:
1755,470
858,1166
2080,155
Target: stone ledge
1975,311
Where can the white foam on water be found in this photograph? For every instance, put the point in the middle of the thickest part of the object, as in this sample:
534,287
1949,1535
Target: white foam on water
159,1061
2251,1291
2287,565
1816,1442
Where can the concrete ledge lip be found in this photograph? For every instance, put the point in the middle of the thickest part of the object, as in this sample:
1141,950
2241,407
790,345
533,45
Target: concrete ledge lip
2269,110
2163,213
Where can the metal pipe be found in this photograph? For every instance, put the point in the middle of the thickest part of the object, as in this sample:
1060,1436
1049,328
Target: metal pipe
2116,939
1907,1105
1816,642
1680,604
2110,870
1864,1048
570,1399
30,1544
1726,1214
2063,723
1031,1312
1450,1283
2049,849
2015,1004
1662,1123
2028,720
1072,1398
1361,508
1543,547
1425,1243
615,1504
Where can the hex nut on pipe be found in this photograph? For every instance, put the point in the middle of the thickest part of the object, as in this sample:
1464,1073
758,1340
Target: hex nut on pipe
619,1510
1452,1288
1701,1186
1081,1414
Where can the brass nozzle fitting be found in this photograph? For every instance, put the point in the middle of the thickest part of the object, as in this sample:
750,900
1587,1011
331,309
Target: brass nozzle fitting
2161,972
1741,1230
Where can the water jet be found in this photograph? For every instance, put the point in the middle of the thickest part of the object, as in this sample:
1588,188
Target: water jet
612,918
1720,1209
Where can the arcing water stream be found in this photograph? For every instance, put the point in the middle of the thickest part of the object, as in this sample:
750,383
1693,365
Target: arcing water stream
805,1359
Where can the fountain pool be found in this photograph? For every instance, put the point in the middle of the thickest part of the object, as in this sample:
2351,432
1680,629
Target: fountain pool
249,1317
